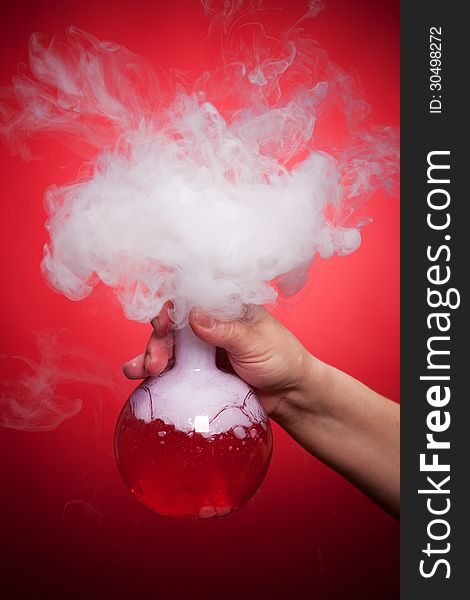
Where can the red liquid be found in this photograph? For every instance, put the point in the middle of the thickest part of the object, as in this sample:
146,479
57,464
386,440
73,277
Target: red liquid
186,474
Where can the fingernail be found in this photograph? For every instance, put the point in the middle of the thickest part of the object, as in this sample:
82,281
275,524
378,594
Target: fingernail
147,362
131,363
204,320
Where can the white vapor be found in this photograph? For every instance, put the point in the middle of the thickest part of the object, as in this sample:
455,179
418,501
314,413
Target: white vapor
214,195
40,397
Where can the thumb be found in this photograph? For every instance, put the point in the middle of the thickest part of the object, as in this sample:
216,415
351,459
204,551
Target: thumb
233,336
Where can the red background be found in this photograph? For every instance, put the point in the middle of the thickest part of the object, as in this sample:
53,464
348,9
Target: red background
69,526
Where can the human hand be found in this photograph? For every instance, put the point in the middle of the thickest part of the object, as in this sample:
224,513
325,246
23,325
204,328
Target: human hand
263,353
333,416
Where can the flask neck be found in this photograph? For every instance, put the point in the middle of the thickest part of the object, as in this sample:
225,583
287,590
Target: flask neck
191,352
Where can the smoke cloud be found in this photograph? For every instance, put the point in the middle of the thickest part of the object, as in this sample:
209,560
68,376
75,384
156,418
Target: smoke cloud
213,193
43,394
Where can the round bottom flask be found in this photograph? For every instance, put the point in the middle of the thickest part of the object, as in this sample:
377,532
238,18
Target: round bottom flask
194,442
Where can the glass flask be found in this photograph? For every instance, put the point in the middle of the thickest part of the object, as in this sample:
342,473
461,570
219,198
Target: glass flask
194,442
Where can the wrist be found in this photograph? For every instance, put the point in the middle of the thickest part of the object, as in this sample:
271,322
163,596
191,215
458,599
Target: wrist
304,395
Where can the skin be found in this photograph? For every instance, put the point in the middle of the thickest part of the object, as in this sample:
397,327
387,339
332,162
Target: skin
333,416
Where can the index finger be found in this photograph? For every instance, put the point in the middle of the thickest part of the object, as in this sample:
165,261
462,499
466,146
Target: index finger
162,324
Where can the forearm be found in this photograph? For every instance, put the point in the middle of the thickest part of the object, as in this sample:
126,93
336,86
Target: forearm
349,427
